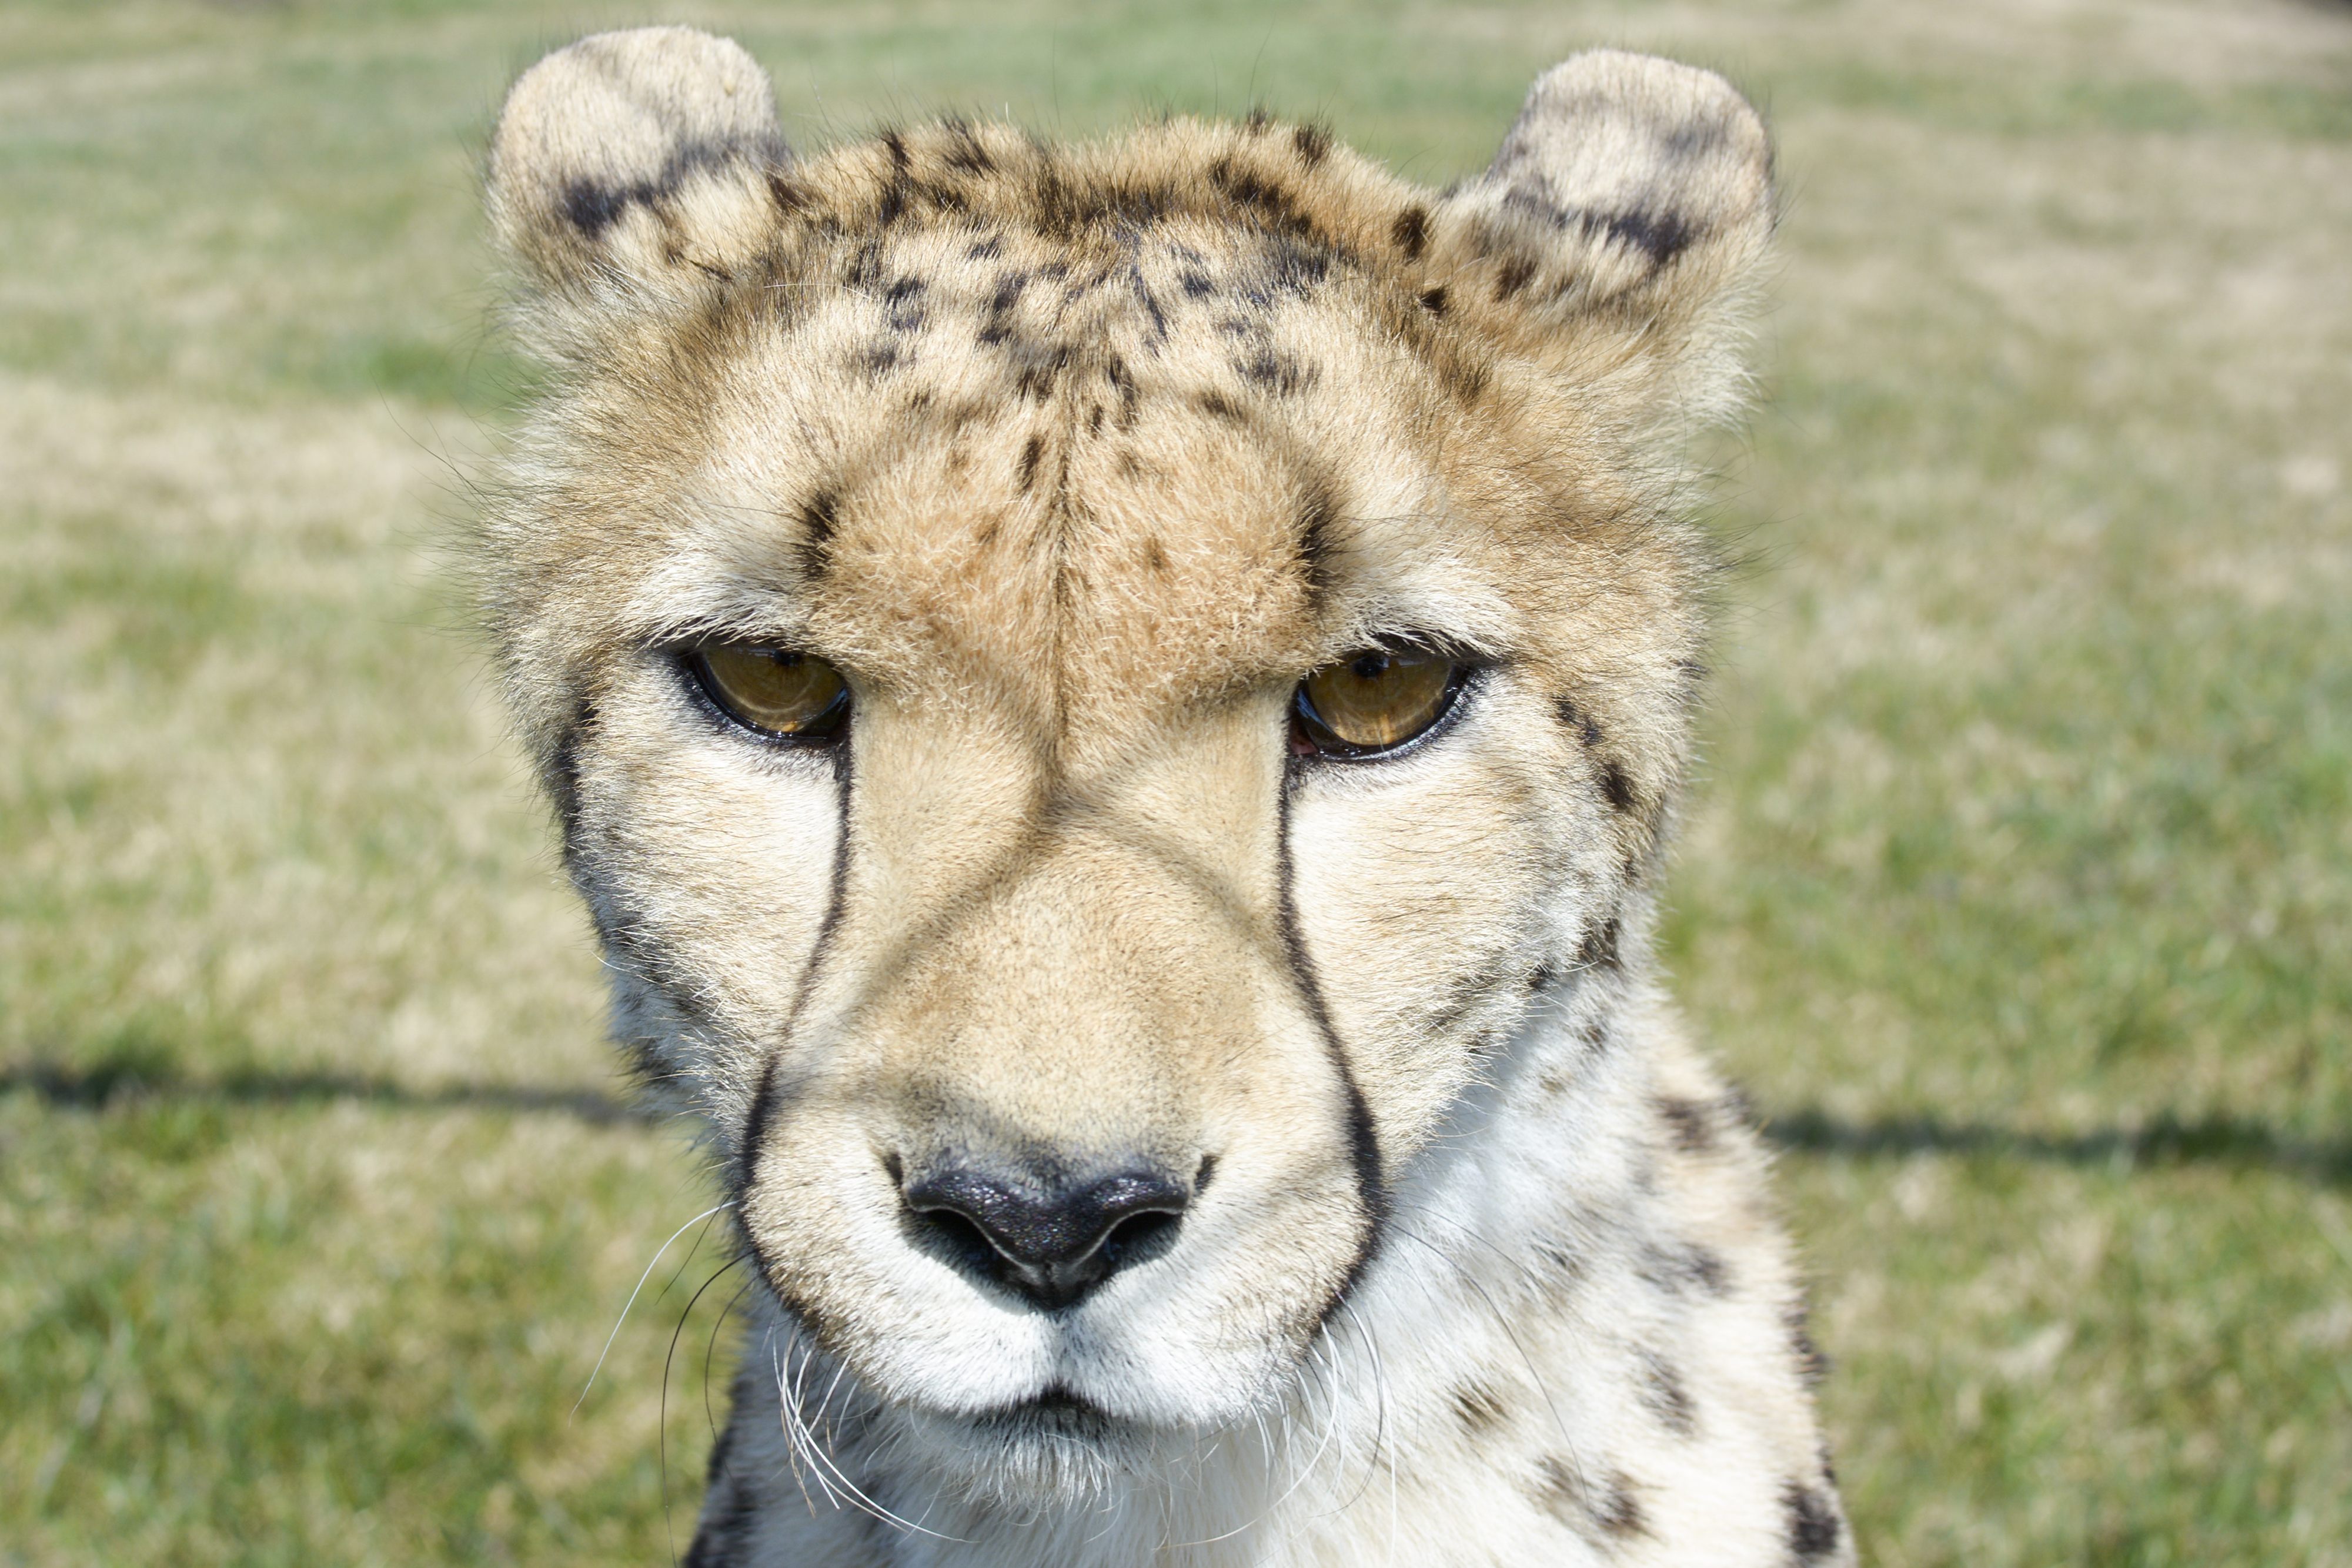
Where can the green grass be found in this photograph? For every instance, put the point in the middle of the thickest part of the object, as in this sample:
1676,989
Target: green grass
2019,889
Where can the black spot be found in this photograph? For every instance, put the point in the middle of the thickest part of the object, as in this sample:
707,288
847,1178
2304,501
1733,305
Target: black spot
1617,789
1316,514
1599,949
1277,373
894,196
1433,301
902,302
1813,1365
1038,369
1514,277
1032,452
1689,1122
820,515
1560,1266
1217,407
1663,1391
965,153
878,359
1617,1510
1541,980
1258,121
1094,419
1602,1514
1684,1268
1151,304
1581,722
1814,1528
1479,1408
1268,199
1312,143
789,197
1411,232
1130,400
986,249
1196,284
1295,268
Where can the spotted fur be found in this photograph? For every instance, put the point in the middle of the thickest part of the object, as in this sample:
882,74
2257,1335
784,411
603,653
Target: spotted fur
1076,459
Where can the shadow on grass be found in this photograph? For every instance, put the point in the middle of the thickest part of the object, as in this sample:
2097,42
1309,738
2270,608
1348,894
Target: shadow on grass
2166,1141
2211,1139
108,1084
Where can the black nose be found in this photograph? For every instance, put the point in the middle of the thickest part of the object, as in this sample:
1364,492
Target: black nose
1050,1240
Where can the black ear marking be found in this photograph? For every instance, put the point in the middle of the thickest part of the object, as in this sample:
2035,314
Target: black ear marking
624,120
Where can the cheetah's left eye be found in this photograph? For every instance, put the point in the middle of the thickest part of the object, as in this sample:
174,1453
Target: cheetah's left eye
777,692
1371,701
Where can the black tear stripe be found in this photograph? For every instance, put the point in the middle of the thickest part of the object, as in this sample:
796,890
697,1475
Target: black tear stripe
1363,1136
763,1102
562,780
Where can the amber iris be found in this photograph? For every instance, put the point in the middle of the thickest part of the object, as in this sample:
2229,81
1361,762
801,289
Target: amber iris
775,690
1373,700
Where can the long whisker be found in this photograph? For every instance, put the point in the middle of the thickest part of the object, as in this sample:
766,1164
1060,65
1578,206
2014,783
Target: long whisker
632,1302
709,1347
661,1424
824,1461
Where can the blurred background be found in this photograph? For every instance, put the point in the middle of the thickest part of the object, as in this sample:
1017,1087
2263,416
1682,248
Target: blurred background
2018,890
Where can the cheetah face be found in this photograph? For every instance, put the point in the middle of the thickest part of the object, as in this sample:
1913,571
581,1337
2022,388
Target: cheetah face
1095,693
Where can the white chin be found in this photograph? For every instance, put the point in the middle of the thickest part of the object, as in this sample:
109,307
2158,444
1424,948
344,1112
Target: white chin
1051,1453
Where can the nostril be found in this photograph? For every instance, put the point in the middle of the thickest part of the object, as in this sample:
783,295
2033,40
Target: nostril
1138,1238
957,1238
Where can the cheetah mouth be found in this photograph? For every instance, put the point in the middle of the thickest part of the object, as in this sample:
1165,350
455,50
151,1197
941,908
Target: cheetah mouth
1056,1412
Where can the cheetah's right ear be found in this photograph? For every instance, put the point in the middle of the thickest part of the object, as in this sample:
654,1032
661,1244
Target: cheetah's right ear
1619,230
635,159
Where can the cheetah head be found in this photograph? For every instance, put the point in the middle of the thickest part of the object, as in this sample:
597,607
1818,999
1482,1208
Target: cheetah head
1100,695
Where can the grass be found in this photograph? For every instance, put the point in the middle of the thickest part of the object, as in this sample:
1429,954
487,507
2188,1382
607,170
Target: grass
2020,890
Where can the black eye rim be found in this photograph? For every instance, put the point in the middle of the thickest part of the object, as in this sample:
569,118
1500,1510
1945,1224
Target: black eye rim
1305,722
702,687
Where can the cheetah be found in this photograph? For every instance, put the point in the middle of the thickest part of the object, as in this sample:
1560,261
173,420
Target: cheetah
1116,709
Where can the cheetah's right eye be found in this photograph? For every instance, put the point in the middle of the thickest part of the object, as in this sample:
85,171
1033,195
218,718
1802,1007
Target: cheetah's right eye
777,692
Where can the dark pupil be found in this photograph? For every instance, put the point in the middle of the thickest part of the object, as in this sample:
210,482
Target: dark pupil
1371,666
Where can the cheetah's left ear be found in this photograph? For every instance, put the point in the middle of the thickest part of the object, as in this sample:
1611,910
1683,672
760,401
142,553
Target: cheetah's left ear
1620,228
634,162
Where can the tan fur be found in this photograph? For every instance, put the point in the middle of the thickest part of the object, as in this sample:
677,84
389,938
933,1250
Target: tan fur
1076,460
